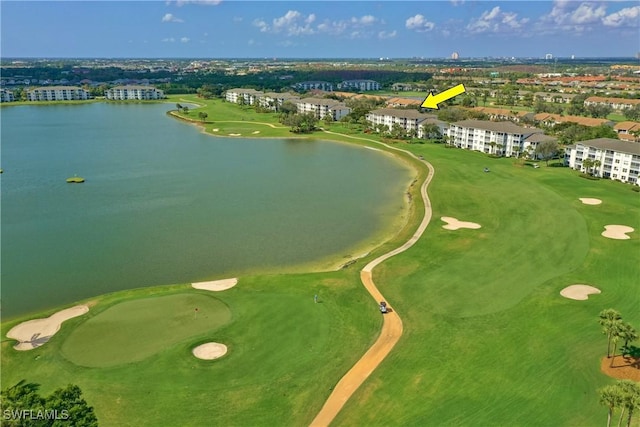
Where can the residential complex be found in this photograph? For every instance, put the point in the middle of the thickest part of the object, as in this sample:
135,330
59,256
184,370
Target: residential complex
6,96
502,138
57,93
411,121
615,103
323,107
248,96
359,85
612,158
133,92
311,85
628,131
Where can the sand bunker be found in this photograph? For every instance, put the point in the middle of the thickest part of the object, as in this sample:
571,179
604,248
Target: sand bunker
34,333
215,130
255,132
617,232
216,285
454,224
234,134
588,201
579,292
210,351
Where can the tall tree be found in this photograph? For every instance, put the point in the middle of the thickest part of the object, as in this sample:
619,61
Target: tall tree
546,150
630,391
627,334
610,320
611,397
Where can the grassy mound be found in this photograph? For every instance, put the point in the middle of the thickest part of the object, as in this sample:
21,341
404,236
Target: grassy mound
134,330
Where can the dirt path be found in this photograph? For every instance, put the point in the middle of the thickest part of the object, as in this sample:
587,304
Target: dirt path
392,324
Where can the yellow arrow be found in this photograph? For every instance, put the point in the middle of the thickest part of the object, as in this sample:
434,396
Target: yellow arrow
432,100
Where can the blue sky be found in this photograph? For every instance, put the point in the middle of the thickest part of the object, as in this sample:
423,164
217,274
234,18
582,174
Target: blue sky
318,29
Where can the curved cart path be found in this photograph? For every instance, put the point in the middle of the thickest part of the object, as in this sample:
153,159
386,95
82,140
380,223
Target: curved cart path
392,324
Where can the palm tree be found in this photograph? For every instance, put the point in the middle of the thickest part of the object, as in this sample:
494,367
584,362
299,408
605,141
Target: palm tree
500,147
610,320
493,146
628,334
596,164
516,150
611,397
630,391
587,164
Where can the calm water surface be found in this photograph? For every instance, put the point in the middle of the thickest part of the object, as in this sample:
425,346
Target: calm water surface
164,203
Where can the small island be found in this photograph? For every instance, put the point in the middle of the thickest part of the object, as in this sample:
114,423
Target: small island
75,180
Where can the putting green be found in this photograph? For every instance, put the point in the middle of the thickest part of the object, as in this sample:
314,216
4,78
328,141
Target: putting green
134,330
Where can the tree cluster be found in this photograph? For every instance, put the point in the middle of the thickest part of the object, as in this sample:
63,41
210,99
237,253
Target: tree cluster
617,330
300,123
23,406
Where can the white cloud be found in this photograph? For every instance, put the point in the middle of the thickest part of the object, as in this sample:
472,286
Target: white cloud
364,20
587,14
456,2
185,39
628,16
496,21
292,23
168,17
419,23
169,40
387,34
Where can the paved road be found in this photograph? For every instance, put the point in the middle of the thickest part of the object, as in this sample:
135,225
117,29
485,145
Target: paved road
392,324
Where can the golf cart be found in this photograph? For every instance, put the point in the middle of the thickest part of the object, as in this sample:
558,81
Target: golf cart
383,307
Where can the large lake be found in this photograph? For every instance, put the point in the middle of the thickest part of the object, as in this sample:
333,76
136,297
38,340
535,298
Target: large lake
164,203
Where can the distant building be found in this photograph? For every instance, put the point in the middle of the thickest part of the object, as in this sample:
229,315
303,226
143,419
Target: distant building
615,103
455,55
133,92
273,101
57,93
310,85
6,96
360,85
406,119
628,131
617,159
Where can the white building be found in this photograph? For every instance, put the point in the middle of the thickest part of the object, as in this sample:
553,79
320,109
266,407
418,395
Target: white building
359,85
615,103
6,96
57,93
323,107
619,160
273,101
248,95
406,119
133,92
503,138
318,85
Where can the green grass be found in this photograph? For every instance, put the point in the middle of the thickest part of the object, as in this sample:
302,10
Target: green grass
487,339
134,330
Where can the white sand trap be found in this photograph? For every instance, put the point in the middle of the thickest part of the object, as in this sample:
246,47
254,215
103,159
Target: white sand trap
216,285
579,292
34,333
371,148
617,232
255,132
210,351
454,224
215,130
588,201
234,134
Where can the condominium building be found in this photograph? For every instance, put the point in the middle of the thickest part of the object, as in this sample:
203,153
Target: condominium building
614,159
360,85
310,85
503,138
6,96
628,131
248,96
406,119
133,92
323,107
273,101
57,93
